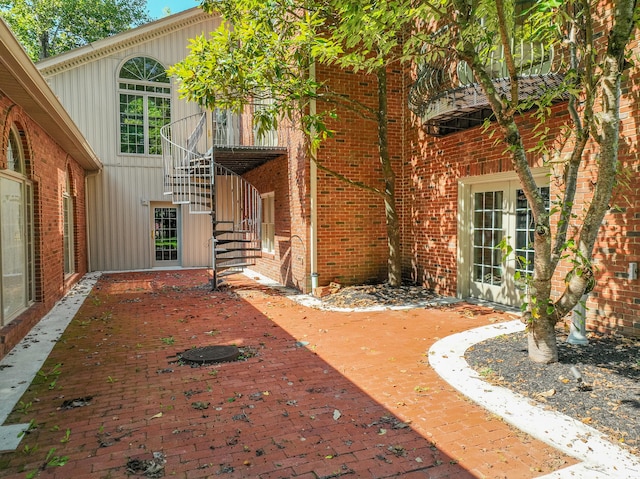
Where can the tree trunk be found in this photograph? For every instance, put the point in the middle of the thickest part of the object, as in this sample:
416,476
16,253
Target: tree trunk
44,46
391,214
541,339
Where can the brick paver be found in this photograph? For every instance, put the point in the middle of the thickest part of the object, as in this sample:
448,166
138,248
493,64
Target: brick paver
320,394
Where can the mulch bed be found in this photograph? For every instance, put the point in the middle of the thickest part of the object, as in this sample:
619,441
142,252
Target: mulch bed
379,295
607,398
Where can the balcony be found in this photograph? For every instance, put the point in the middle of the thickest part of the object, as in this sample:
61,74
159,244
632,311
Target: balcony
201,147
237,144
447,98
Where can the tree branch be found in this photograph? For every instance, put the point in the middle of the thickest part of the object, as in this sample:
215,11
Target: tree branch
341,177
508,54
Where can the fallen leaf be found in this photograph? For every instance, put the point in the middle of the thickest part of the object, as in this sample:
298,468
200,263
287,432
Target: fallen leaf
548,394
336,414
156,416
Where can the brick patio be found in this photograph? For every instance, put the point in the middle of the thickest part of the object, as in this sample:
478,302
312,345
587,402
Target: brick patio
320,395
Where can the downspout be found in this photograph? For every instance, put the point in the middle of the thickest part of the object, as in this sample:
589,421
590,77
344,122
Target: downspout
313,193
87,216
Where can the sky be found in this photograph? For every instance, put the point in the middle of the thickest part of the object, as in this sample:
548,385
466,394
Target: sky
156,7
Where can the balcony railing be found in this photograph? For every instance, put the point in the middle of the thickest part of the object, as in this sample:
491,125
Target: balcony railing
446,93
231,130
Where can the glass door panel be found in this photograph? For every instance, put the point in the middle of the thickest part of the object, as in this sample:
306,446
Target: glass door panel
166,236
501,211
524,231
487,226
13,241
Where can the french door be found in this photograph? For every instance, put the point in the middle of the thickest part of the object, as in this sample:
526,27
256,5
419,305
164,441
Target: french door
500,212
166,236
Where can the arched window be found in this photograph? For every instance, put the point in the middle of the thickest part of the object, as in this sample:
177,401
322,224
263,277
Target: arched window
15,158
16,231
68,227
145,105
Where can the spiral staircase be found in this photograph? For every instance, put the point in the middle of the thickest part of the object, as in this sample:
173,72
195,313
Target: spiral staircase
204,157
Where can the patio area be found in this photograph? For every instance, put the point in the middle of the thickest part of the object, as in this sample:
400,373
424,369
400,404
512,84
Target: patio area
314,394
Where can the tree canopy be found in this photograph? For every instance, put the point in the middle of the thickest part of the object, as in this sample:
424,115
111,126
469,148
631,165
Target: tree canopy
592,67
49,27
269,48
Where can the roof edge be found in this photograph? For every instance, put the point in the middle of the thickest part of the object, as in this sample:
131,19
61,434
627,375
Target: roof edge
43,107
107,46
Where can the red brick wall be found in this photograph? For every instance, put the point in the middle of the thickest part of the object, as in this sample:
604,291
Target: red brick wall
352,239
615,303
430,214
287,178
47,165
352,242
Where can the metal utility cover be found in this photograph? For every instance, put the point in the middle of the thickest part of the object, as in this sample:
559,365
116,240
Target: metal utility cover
211,354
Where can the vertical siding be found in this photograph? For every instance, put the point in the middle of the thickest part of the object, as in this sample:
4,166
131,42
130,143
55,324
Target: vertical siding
120,196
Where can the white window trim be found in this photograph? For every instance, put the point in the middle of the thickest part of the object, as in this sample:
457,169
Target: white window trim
465,211
68,225
28,231
145,95
264,224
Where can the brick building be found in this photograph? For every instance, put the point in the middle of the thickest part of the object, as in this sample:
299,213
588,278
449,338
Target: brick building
44,162
459,189
311,223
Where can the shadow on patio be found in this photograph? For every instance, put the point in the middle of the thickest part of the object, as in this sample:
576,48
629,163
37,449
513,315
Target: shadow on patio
318,394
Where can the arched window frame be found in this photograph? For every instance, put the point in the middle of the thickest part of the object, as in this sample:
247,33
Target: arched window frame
15,152
144,105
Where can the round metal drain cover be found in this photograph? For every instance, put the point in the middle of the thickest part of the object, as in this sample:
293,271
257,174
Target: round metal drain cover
211,354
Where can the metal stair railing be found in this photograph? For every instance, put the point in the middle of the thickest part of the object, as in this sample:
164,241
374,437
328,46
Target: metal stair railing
442,81
191,176
184,149
236,220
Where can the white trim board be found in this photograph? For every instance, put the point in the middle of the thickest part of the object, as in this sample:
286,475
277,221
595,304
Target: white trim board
20,366
601,459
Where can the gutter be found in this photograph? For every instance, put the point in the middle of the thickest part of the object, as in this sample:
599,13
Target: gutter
313,174
87,175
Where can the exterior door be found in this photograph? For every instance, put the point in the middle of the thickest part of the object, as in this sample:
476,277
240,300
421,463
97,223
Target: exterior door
500,211
166,236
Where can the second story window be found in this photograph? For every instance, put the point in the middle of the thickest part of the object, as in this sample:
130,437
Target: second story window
144,105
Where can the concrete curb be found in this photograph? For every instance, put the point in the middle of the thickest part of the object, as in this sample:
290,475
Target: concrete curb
600,458
20,366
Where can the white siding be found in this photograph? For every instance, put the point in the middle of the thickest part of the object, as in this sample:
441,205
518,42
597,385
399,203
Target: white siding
119,196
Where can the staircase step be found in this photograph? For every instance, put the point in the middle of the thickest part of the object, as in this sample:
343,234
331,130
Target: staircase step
238,257
233,265
227,241
219,233
228,272
228,232
190,175
230,250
